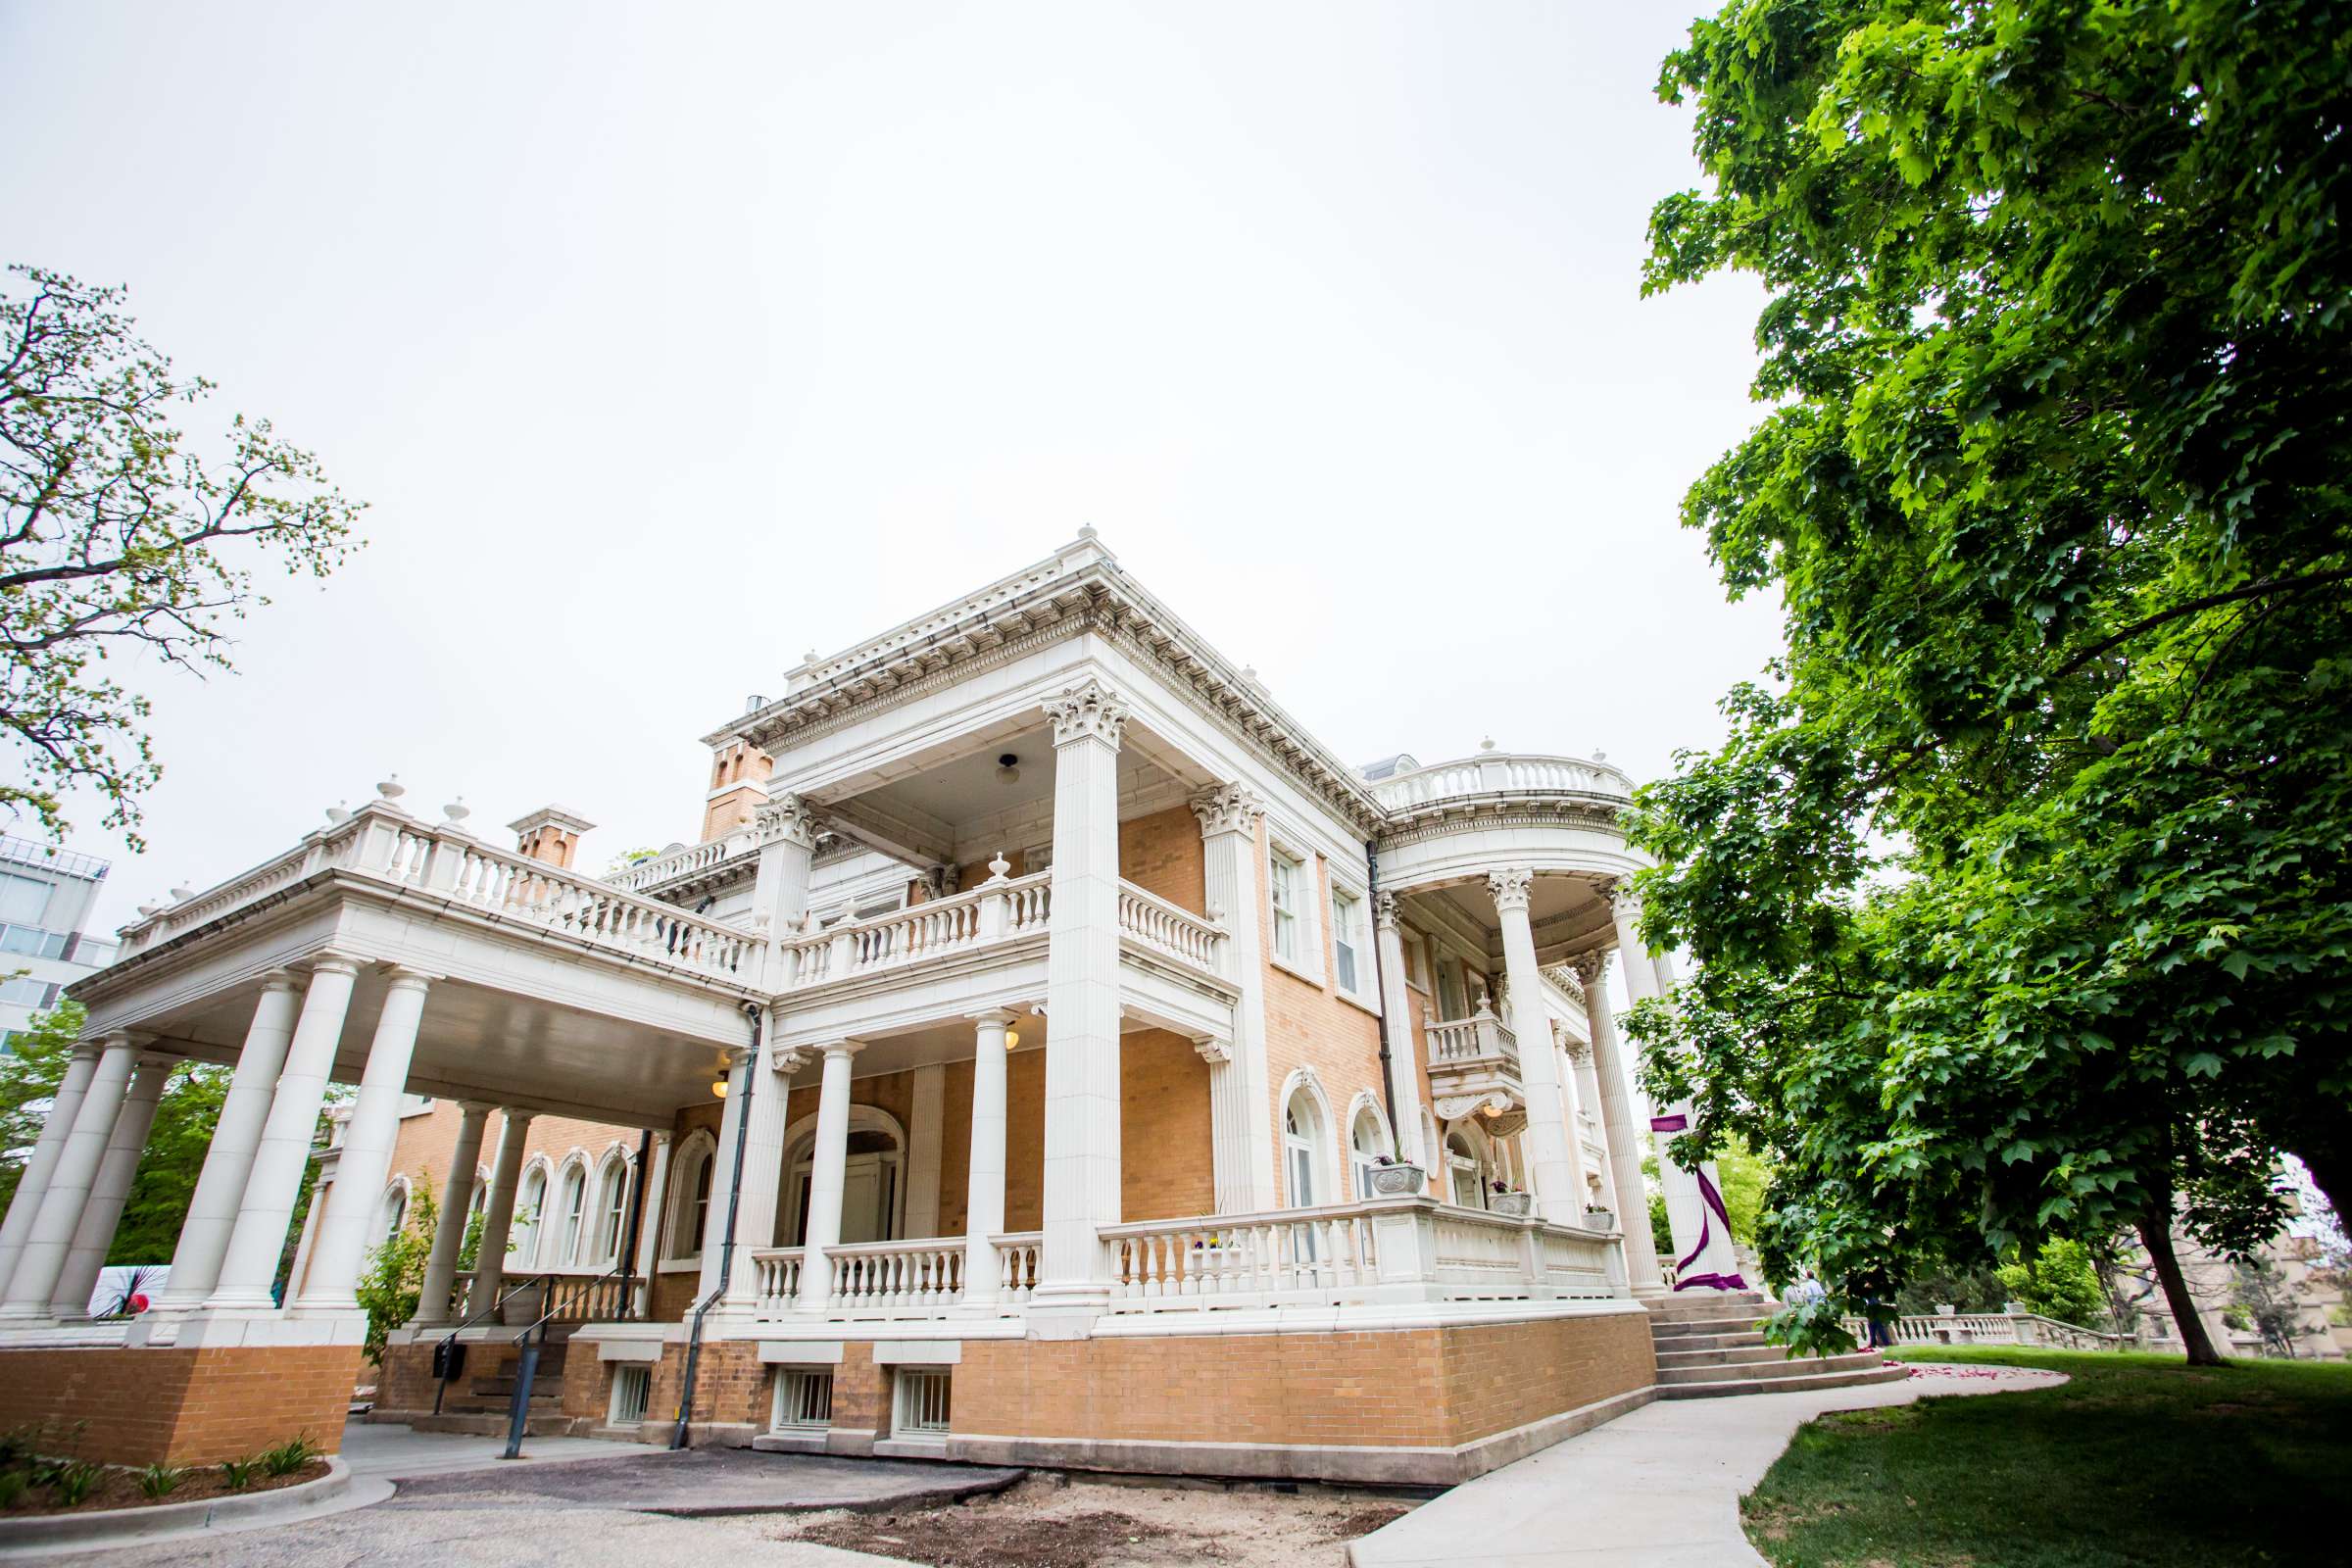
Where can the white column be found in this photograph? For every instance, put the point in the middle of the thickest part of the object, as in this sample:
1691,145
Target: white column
984,1191
785,829
763,1173
1082,1002
347,1228
456,1200
740,1067
498,1215
227,1160
95,1237
653,1204
1395,1007
51,1235
1618,1129
1240,1113
64,1106
1558,1180
827,1165
250,1266
926,1140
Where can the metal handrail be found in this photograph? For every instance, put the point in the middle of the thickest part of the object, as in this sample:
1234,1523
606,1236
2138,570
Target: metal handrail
527,1371
451,1337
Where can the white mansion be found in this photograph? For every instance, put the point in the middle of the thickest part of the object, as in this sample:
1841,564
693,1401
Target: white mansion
1051,1052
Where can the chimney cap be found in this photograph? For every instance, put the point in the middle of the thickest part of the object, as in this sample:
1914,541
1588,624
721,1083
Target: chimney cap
551,816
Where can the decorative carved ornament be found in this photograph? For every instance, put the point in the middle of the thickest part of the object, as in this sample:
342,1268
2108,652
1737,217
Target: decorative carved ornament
1624,903
787,820
1228,808
1384,909
1510,888
1216,1053
1452,1108
1088,711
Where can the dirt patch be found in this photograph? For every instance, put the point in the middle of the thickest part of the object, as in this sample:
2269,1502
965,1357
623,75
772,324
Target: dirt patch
120,1488
1044,1523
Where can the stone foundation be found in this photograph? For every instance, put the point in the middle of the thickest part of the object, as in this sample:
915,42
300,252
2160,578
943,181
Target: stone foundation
1432,1405
168,1405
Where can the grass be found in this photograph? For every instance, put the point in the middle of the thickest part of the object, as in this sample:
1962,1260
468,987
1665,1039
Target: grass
2138,1460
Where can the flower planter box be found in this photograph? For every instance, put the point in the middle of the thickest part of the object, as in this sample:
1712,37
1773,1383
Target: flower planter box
1391,1181
1518,1204
1600,1219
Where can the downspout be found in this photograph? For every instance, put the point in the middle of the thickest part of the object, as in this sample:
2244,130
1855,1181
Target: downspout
1388,1081
727,1249
628,1248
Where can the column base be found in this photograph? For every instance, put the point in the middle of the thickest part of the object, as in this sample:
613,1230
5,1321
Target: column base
1066,1312
231,1326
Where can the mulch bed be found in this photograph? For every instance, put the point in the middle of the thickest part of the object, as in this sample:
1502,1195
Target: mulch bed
120,1488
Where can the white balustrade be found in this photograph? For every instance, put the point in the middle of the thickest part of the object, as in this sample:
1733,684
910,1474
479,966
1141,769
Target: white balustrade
936,929
1481,1035
659,868
1207,1260
1502,773
1165,928
515,887
1990,1328
918,1276
778,1279
1017,1264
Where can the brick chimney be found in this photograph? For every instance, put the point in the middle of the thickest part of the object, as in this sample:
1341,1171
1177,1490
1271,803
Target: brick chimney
550,834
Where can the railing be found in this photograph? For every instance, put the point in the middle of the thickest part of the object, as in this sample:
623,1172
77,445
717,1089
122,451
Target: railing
778,1270
897,1276
1017,1264
1991,1328
1392,1248
1478,1037
994,911
1501,773
572,1295
695,858
1179,933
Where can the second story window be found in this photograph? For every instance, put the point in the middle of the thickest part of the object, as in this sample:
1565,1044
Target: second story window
1286,886
1347,939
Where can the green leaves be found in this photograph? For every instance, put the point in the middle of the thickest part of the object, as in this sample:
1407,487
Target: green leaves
2020,900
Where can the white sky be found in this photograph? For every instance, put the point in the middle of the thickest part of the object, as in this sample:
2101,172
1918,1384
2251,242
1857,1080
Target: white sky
670,342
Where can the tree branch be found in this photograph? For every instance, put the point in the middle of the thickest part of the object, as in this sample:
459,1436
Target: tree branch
2255,590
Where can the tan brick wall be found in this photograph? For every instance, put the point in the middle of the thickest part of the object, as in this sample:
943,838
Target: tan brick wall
180,1406
1415,1387
1167,1162
1163,854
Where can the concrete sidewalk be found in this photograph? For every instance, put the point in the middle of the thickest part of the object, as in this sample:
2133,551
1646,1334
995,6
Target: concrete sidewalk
1657,1489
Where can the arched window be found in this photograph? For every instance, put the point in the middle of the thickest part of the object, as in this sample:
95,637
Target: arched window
1368,1141
1302,1148
873,1200
479,1204
530,1209
393,1212
1465,1173
612,1203
690,1197
574,1207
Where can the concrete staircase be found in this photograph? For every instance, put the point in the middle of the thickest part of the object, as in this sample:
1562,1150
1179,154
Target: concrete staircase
1708,1347
480,1399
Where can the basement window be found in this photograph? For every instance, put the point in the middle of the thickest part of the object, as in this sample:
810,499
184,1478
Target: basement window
921,1405
803,1400
632,1386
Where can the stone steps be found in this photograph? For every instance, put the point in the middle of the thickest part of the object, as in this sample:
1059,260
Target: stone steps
1842,1378
1671,1353
1708,1348
1780,1368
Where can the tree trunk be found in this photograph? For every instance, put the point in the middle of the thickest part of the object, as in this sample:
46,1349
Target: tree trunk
2331,1167
2156,1234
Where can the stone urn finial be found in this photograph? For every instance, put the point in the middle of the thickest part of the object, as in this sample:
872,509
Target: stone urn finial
392,789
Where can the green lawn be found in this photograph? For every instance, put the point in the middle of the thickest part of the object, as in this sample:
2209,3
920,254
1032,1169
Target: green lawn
2138,1460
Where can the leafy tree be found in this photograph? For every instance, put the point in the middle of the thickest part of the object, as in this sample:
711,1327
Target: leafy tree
2261,1293
2018,895
1970,1289
2059,1282
118,537
394,1276
1742,1177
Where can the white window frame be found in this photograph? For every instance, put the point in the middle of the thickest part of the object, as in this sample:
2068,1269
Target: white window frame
803,1400
527,1247
1417,976
611,1181
917,1393
1360,1161
1306,961
632,1391
696,1164
1348,903
574,1207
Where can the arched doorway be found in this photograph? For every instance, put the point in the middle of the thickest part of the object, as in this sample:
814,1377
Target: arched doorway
873,1187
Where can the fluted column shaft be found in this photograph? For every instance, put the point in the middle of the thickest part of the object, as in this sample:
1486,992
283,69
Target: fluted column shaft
101,1212
457,1203
1557,1176
51,1237
228,1160
1395,1009
1618,1130
41,1163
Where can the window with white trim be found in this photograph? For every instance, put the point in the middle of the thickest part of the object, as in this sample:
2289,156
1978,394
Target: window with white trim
574,1211
1347,941
691,1206
632,1390
524,1234
921,1406
611,1204
803,1398
1287,883
1451,1005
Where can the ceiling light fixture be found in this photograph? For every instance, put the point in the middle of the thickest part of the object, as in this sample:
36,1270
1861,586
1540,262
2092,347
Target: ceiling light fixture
719,1087
1008,769
1012,1040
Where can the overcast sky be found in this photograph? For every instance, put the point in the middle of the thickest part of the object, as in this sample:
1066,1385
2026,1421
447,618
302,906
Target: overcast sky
670,342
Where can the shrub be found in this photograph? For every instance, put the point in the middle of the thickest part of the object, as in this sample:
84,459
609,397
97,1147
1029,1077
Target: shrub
237,1474
162,1480
13,1484
288,1456
74,1481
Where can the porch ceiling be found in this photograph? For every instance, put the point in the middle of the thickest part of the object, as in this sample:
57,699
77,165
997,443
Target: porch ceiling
1569,915
489,1045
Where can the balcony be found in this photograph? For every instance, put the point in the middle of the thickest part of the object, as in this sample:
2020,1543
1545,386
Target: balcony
1501,773
1473,1065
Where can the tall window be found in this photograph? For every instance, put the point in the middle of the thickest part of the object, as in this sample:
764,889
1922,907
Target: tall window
1302,1136
1347,938
689,1186
529,1209
1450,991
1287,885
574,1209
1368,1142
612,1199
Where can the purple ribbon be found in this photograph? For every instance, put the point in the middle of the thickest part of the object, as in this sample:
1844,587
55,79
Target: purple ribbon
1710,1200
1669,1124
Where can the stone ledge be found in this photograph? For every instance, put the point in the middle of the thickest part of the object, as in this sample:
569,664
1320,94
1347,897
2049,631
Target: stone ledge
79,1532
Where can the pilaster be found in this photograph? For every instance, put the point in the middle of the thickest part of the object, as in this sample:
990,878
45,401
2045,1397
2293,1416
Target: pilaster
1240,1087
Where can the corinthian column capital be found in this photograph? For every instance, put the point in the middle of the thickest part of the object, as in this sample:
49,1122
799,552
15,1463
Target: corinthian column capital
1510,888
787,820
1228,808
1088,711
1624,903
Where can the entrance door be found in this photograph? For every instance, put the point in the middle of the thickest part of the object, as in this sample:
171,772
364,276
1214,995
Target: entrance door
863,1199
